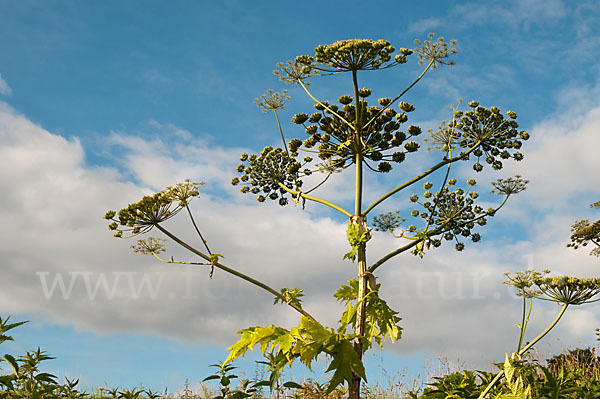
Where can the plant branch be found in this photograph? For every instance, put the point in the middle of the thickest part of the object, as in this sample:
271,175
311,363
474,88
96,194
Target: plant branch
401,94
281,132
321,183
420,176
197,230
234,272
316,199
525,320
438,230
323,105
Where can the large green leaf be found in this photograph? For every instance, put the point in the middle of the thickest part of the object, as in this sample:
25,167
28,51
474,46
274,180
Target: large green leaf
345,363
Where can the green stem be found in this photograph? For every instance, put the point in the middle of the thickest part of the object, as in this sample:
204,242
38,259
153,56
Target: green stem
525,320
358,144
197,230
522,327
320,184
281,132
401,94
232,271
323,105
316,199
359,328
525,349
421,176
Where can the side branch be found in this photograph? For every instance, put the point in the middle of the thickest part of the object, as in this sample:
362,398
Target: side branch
439,230
401,94
316,199
419,177
234,272
325,106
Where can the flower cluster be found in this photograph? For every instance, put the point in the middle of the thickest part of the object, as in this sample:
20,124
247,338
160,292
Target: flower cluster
512,185
332,132
568,290
140,217
523,281
265,175
272,101
389,221
149,246
452,211
585,232
435,51
494,137
355,54
342,56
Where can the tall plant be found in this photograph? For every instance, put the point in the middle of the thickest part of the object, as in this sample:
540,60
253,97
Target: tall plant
351,135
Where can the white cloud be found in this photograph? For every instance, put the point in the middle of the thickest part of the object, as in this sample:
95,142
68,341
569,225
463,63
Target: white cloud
517,14
561,156
4,87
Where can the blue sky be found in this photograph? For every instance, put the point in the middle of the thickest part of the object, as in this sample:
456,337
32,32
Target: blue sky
101,102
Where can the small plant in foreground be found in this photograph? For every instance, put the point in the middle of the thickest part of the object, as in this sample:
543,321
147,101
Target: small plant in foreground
563,290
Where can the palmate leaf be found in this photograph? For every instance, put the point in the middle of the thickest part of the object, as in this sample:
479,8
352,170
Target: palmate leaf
347,293
381,320
312,339
385,318
276,336
345,363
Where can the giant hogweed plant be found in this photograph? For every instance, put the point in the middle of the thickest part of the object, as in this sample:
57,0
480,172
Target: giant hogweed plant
353,135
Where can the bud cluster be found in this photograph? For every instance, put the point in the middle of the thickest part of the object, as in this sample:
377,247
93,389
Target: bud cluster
342,56
332,132
140,217
495,137
585,232
265,174
568,290
453,210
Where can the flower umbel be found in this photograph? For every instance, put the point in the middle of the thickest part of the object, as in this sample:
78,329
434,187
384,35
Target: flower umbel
436,51
523,281
149,246
140,217
512,185
272,101
568,290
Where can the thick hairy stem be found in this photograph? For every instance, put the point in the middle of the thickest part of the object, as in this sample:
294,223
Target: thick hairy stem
234,272
361,221
525,349
359,329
